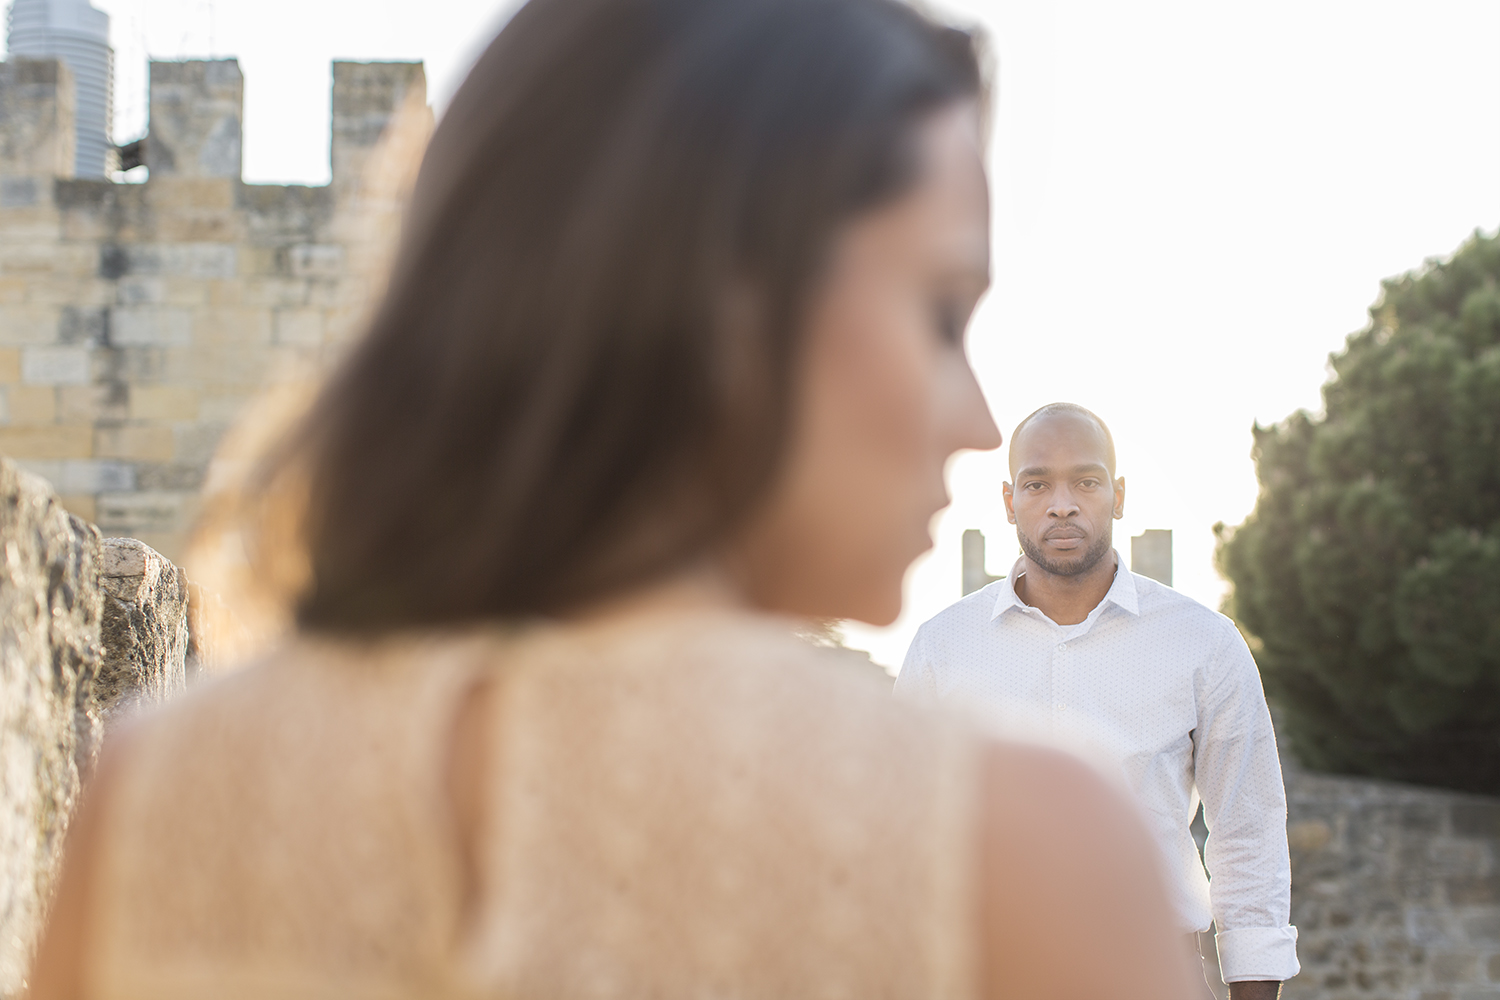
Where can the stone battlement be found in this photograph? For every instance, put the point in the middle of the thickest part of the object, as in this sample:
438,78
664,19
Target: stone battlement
137,320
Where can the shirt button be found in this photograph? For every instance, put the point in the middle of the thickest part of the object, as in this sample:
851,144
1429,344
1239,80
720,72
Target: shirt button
1059,707
1061,647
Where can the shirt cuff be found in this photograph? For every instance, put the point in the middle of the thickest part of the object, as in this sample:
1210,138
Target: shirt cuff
1247,954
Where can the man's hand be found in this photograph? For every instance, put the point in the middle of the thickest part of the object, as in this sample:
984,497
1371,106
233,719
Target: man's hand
1261,989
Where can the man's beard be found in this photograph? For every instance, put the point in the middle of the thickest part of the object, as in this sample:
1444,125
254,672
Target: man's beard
1091,558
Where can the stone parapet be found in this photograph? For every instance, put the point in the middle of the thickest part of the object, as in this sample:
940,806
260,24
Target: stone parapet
89,628
366,97
143,628
37,140
197,108
137,320
1395,890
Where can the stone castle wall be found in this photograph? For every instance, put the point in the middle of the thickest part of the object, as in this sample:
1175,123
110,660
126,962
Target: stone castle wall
90,628
137,320
1395,890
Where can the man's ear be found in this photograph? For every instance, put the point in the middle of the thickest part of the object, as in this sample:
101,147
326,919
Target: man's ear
1007,491
1119,498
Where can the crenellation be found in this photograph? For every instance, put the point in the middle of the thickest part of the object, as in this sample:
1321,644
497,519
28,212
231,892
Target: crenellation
137,320
37,115
196,108
366,96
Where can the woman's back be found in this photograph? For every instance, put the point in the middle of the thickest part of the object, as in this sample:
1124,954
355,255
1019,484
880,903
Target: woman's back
677,322
675,807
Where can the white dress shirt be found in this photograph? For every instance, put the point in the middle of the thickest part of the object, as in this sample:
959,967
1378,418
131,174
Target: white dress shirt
1168,689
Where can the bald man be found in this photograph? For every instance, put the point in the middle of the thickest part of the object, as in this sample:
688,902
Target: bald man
1075,642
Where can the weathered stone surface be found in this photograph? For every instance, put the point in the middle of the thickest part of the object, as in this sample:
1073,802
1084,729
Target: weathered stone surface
1395,890
137,320
89,629
36,129
144,628
50,606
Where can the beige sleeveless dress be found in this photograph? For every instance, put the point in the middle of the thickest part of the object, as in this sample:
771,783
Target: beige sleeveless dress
694,807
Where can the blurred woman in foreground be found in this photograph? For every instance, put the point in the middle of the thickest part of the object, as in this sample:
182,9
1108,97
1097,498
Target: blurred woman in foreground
672,357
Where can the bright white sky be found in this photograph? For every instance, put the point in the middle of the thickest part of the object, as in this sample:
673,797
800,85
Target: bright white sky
1193,202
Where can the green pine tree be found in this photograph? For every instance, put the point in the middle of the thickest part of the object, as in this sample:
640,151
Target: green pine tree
1368,576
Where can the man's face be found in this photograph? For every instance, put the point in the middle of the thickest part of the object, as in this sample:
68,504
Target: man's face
1061,499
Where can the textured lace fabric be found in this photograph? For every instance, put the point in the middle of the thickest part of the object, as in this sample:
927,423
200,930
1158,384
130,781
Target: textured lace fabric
695,807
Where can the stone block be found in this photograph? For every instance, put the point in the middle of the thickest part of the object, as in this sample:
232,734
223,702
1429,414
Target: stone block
82,507
196,110
315,260
55,365
50,607
82,325
1307,836
82,476
169,476
1472,889
30,404
142,515
276,214
53,441
12,290
223,404
147,443
10,364
239,325
19,192
150,326
134,365
27,325
182,206
298,327
143,630
101,401
191,260
140,290
366,97
38,109
163,402
1476,818
196,443
224,293
276,292
1454,967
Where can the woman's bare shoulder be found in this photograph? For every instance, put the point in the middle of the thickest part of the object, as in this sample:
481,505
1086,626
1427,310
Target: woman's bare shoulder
1073,903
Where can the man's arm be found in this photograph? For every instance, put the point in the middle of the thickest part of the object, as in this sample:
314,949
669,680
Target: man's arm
916,681
1238,773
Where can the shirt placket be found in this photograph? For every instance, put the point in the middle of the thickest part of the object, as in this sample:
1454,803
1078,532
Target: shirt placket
1059,685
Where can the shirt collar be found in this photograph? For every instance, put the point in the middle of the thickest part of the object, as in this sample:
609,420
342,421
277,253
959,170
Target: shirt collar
1122,592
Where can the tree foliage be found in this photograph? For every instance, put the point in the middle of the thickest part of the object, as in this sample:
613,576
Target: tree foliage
1369,573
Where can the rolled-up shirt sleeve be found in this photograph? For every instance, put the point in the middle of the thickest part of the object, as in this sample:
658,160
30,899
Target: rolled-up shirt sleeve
1238,774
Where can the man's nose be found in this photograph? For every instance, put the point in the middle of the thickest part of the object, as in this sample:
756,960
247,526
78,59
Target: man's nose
1062,505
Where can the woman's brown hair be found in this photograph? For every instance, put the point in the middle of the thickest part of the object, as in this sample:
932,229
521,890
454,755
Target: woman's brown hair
581,373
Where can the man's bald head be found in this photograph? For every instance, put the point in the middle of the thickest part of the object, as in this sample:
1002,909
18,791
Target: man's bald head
1069,411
